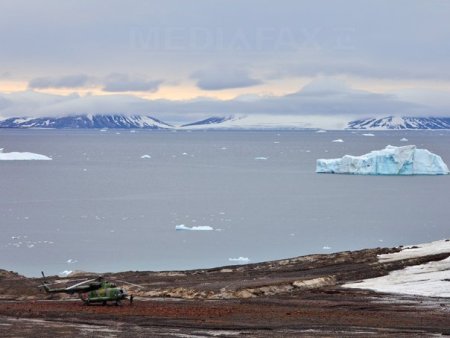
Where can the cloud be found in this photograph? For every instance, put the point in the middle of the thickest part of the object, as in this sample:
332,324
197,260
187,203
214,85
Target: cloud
68,81
322,98
124,83
220,78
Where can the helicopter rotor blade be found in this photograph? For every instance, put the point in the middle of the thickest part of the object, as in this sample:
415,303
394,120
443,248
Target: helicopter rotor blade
136,285
81,283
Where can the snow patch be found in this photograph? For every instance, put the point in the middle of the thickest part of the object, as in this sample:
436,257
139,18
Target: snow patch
430,279
420,250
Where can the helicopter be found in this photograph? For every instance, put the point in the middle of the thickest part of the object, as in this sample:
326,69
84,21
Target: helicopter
90,291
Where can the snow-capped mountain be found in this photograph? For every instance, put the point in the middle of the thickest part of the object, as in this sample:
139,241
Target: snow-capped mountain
390,122
86,121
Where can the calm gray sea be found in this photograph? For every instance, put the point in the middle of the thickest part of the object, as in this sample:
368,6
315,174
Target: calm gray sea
98,206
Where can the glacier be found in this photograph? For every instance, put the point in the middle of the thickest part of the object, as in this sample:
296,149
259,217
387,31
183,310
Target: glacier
392,160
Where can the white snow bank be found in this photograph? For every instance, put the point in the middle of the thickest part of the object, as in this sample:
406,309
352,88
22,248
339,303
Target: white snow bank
406,160
431,279
16,156
195,228
239,259
420,250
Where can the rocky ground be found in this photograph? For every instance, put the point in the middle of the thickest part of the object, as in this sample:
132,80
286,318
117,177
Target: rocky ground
285,298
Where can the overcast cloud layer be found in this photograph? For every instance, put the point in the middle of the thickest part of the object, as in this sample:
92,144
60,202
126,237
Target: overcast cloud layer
139,48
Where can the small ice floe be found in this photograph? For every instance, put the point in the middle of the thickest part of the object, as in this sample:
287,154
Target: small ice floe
71,261
224,148
339,140
16,156
368,134
194,228
276,142
132,131
65,273
326,247
104,130
321,131
404,139
185,154
239,259
307,151
146,156
84,169
261,158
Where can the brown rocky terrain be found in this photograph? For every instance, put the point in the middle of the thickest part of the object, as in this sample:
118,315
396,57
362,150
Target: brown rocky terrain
301,296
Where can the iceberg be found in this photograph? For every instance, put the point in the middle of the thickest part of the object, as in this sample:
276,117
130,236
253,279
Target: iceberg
17,156
406,160
239,259
195,228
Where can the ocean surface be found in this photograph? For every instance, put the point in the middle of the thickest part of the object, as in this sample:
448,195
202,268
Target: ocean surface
98,206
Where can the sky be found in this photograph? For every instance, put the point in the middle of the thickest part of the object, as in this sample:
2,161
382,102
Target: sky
187,60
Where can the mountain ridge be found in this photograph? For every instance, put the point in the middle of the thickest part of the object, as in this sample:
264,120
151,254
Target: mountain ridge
400,123
82,121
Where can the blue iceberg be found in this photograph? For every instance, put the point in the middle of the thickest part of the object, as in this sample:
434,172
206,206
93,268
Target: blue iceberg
406,160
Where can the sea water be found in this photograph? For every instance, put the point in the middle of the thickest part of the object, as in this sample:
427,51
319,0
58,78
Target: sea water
242,196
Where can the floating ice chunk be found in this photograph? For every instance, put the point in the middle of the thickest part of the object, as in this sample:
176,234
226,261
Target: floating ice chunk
184,154
339,140
404,139
195,228
71,261
326,248
239,259
146,156
65,273
407,160
16,156
368,134
261,158
321,131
